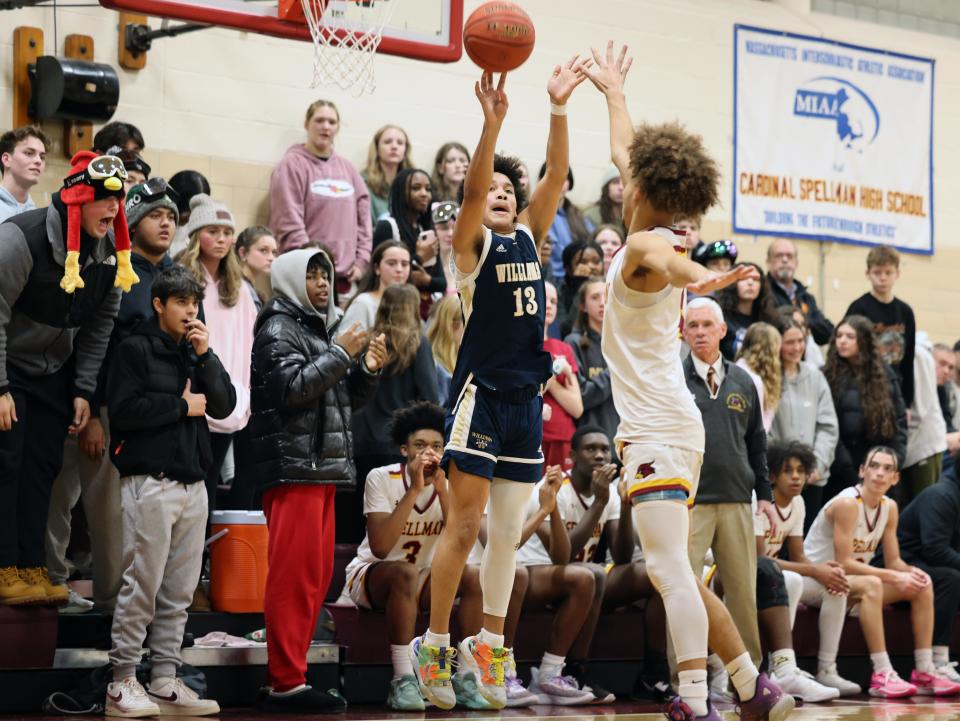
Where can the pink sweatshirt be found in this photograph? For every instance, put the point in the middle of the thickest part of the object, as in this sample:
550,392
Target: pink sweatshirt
316,201
231,338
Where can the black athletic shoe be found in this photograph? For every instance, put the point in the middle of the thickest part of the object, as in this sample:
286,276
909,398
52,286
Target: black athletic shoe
588,683
649,688
306,701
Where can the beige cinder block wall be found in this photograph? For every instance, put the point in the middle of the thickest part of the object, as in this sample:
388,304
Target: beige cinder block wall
229,103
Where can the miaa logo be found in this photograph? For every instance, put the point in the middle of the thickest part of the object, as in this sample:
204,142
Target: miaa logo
851,112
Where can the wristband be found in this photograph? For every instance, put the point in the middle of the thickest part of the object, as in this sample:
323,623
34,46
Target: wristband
558,109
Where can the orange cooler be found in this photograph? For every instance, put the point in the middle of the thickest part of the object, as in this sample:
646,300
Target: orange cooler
238,561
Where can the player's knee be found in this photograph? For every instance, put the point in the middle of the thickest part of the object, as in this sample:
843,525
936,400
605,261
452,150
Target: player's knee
872,588
403,579
769,573
521,580
463,533
581,582
667,570
948,580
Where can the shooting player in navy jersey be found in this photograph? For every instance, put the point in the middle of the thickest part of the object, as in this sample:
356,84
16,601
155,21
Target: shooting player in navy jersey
494,426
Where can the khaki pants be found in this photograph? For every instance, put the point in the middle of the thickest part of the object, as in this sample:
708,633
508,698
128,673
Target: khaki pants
920,475
727,528
97,485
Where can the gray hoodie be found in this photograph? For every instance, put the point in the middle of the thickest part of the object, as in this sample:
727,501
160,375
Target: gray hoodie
806,414
287,276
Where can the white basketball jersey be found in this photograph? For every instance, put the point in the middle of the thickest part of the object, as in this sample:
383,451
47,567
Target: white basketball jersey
572,507
789,522
384,490
641,344
867,533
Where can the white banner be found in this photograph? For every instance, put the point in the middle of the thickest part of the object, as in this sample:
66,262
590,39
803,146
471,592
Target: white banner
832,141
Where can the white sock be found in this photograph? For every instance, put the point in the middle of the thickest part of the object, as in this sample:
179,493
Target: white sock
493,640
743,675
941,656
881,662
923,659
783,662
692,687
440,640
551,666
400,658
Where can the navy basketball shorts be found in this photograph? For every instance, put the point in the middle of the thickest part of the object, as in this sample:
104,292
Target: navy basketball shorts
771,588
495,438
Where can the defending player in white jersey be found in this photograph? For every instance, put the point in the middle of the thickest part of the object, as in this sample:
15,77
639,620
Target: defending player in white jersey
854,525
667,173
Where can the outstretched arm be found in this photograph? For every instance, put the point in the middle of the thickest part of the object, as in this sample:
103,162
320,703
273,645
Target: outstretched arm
468,234
543,204
608,75
653,254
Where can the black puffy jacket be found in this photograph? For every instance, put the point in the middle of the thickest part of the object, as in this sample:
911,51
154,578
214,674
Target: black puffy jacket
150,431
854,440
303,388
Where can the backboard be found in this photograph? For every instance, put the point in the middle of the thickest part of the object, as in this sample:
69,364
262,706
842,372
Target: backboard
421,29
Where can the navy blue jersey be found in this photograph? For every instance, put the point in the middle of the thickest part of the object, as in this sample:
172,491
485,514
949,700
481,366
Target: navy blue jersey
504,305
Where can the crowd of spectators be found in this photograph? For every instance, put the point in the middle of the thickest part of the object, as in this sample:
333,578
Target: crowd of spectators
280,367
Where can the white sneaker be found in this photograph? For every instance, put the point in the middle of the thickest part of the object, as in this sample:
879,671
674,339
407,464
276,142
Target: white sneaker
719,687
801,684
559,690
175,698
949,671
128,698
76,603
830,677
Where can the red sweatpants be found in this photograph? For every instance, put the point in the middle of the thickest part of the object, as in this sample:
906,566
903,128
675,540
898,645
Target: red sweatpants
300,522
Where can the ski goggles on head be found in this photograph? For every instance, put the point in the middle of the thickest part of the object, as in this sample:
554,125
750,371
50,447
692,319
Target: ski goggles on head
106,166
715,250
444,211
153,188
105,174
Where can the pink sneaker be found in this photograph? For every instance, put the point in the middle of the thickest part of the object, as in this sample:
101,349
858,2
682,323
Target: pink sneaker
933,684
887,684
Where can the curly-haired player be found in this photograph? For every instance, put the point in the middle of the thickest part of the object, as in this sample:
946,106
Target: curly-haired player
667,173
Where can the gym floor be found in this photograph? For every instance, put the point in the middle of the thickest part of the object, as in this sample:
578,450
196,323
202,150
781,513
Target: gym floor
857,709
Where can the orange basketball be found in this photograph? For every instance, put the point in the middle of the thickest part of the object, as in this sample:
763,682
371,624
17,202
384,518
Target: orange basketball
499,36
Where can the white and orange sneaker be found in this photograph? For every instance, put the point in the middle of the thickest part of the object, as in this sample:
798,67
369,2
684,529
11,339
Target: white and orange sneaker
934,683
887,684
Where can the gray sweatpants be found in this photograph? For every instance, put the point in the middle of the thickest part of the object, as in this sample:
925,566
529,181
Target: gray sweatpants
96,484
163,533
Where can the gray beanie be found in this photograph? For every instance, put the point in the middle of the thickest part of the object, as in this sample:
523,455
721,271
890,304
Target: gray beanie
138,205
205,211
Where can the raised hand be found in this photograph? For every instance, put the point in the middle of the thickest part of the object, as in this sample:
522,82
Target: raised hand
608,73
715,281
548,490
376,355
493,99
602,478
565,78
198,336
353,339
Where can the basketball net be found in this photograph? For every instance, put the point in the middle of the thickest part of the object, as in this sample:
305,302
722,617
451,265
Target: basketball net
346,35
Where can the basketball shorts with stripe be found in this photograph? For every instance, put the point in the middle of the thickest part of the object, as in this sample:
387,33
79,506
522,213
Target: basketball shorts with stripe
661,473
494,438
355,587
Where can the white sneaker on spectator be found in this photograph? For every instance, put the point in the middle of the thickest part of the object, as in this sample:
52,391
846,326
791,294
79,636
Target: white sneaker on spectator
76,603
559,690
719,687
127,698
175,698
949,671
830,677
801,684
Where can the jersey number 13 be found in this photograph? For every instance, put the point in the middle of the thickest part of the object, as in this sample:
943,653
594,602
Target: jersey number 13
526,301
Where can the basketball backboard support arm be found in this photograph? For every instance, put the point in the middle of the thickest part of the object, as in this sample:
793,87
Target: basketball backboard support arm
429,30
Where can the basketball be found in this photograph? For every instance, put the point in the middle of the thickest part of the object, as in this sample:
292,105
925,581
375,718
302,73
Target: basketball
499,36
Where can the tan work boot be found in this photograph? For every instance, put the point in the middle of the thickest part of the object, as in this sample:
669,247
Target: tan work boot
14,592
57,593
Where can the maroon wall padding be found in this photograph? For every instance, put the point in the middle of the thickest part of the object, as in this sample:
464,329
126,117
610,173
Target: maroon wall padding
28,636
